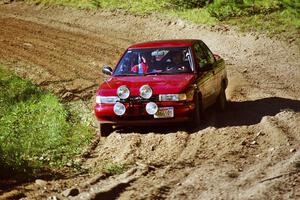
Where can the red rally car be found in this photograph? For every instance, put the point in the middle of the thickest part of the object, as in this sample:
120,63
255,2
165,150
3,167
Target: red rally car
161,82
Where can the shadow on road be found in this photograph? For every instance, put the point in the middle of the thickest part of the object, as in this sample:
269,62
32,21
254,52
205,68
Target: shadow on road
12,179
251,112
236,114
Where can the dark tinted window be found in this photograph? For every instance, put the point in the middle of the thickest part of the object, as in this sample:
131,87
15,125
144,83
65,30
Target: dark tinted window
203,54
201,57
209,54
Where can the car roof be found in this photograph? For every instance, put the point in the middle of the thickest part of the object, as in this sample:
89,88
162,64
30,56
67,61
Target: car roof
163,43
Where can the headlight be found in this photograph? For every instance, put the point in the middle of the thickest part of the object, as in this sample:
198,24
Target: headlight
119,109
107,99
123,92
146,92
151,108
172,97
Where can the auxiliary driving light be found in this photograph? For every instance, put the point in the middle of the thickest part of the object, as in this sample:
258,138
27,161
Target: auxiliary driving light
151,108
123,92
146,92
119,109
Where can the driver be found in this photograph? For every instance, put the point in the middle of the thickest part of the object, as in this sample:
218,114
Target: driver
177,63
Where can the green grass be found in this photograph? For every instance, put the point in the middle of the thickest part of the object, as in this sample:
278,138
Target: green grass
113,168
285,22
270,16
36,129
274,17
196,15
72,3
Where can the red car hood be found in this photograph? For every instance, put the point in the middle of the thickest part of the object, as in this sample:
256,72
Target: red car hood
160,84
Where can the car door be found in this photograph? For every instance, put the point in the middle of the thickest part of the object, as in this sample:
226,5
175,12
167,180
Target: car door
216,79
206,81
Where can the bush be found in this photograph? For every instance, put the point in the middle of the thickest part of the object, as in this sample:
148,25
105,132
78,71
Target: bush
34,125
294,4
183,4
225,9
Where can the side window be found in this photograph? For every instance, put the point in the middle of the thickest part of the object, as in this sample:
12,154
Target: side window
201,57
210,55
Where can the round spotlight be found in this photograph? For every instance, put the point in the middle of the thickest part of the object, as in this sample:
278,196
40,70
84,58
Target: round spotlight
146,92
151,108
119,109
123,92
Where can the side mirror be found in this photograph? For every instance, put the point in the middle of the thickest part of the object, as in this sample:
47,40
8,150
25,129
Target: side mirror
107,70
205,67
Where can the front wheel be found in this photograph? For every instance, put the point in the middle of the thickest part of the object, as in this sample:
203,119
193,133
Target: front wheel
197,112
222,100
105,130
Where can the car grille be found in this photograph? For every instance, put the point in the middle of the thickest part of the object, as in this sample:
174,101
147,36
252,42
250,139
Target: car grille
140,99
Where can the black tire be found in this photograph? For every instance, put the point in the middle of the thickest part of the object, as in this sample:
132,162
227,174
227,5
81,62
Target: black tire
105,130
221,100
198,112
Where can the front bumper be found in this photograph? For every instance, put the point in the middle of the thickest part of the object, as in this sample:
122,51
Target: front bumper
136,114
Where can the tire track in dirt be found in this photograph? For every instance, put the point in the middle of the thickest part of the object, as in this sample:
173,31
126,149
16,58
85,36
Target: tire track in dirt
56,51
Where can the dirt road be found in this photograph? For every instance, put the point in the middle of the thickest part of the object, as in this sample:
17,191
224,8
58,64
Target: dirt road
252,151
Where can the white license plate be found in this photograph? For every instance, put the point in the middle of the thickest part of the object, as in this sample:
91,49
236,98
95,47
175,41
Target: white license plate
164,112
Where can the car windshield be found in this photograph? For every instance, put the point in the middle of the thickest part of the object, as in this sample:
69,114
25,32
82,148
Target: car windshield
137,62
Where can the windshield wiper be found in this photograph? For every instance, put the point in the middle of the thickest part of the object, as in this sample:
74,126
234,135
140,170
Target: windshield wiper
126,75
157,73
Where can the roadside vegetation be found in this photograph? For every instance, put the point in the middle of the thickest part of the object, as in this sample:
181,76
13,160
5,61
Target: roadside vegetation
113,168
273,17
37,130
